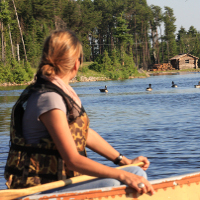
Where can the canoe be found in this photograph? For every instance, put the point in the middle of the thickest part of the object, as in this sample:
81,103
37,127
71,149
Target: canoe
183,187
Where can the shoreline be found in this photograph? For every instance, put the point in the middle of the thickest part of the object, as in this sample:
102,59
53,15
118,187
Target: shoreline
92,79
74,80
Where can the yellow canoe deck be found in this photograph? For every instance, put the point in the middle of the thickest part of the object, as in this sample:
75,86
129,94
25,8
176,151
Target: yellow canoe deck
184,187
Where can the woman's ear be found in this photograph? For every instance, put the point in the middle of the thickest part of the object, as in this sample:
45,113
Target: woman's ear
77,64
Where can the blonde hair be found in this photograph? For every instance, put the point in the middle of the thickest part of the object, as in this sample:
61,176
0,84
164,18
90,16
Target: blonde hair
61,50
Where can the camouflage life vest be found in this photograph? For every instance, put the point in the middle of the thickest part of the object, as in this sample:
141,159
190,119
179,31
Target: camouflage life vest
33,164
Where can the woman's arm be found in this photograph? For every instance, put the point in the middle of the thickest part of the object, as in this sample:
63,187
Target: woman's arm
96,143
56,123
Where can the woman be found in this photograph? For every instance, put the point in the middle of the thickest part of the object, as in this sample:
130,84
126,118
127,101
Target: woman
50,129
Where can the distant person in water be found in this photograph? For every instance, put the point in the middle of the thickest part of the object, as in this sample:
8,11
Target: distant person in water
50,129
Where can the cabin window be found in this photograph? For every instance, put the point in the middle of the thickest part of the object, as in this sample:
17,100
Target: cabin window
186,61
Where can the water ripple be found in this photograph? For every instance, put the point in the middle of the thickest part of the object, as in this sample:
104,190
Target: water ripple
162,125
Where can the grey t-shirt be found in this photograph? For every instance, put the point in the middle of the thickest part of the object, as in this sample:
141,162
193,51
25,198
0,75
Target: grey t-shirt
39,103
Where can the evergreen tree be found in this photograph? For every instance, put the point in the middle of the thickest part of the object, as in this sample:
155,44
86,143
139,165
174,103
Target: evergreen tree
181,39
5,21
156,18
105,6
170,28
193,42
115,59
121,32
107,63
90,19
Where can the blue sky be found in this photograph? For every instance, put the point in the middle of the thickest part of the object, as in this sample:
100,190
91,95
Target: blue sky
187,12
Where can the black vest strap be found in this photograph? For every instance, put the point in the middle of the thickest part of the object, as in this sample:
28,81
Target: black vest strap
18,172
34,150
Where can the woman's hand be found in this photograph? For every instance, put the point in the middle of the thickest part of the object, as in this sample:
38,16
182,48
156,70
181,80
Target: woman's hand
126,161
141,159
133,180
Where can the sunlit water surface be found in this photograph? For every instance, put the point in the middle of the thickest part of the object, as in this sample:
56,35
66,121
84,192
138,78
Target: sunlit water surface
162,124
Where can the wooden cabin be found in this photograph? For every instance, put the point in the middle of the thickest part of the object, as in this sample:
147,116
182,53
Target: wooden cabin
184,61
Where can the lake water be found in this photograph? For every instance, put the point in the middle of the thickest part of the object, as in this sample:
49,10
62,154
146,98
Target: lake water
162,124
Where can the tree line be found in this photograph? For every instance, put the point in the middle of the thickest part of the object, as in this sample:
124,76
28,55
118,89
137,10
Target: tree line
116,34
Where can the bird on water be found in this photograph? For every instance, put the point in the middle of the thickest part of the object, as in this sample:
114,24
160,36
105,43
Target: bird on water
174,85
104,90
197,86
149,88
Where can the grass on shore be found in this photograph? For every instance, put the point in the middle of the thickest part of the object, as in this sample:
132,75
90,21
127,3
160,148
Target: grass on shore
85,71
92,73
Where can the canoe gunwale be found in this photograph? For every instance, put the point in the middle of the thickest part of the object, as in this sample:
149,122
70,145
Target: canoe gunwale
98,193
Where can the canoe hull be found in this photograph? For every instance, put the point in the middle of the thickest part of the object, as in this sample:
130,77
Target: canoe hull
185,187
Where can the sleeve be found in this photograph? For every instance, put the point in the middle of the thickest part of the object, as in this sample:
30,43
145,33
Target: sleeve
49,101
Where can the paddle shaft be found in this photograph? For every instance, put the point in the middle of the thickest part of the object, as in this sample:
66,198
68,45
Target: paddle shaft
9,194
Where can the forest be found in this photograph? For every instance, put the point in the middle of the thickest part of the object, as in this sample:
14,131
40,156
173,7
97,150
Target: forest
117,35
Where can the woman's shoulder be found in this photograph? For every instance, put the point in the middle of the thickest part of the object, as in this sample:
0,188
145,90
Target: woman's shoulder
47,100
48,95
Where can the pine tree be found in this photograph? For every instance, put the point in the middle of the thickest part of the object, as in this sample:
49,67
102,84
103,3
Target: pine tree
121,32
170,28
155,23
5,21
181,40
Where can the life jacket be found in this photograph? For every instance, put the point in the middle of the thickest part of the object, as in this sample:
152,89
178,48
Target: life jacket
33,164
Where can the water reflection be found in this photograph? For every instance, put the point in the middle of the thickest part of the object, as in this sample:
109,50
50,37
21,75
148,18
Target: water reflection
10,88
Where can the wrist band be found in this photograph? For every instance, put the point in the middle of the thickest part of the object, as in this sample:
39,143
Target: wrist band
118,159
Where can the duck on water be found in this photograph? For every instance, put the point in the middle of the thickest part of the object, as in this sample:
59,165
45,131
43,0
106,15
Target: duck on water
104,90
174,85
149,88
197,86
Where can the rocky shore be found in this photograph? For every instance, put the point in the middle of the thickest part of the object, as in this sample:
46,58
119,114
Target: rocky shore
74,80
88,79
14,84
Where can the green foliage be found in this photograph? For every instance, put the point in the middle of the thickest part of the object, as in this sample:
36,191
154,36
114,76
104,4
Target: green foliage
86,49
78,78
5,74
107,63
29,71
125,75
113,75
112,68
83,69
96,67
5,13
99,59
170,29
128,61
19,75
121,31
15,72
115,60
117,34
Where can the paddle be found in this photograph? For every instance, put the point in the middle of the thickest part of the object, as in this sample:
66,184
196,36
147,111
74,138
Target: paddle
16,193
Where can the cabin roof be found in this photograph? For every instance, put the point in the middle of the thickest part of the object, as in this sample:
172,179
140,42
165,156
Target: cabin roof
182,55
